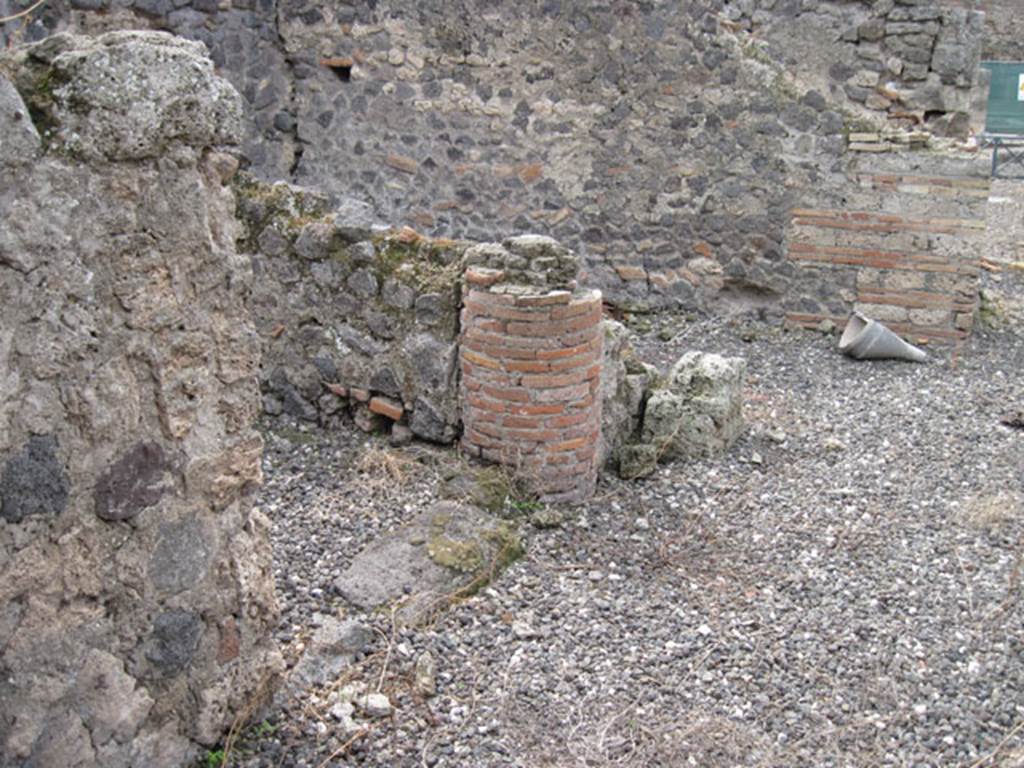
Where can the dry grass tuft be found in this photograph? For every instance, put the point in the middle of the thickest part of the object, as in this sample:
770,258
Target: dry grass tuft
631,736
992,510
385,471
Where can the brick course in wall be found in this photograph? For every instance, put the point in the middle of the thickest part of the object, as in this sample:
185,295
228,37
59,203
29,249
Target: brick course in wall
531,371
916,273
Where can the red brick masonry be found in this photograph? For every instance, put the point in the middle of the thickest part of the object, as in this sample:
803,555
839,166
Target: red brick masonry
531,372
918,274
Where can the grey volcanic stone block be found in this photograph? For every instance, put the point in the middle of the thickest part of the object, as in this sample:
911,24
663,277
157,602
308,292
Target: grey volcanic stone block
429,422
180,558
398,295
433,363
429,309
355,220
289,398
363,283
331,649
174,640
33,481
313,241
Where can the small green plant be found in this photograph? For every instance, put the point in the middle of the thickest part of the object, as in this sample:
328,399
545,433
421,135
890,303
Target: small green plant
525,506
218,758
263,728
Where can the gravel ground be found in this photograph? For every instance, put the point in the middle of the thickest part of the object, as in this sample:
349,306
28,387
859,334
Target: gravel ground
842,589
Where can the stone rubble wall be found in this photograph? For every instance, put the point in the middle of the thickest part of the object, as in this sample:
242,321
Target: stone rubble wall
355,319
1004,27
664,143
914,62
531,364
136,594
643,142
649,139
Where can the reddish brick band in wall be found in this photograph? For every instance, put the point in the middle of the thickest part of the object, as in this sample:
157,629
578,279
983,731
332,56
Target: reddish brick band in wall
531,374
919,276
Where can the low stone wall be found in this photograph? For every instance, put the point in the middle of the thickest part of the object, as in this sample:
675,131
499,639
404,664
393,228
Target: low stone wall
901,242
354,318
136,595
359,321
530,358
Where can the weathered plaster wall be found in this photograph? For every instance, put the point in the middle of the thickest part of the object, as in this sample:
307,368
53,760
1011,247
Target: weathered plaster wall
136,597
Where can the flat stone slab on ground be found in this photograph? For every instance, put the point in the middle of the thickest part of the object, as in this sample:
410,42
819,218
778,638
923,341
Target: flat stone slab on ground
449,549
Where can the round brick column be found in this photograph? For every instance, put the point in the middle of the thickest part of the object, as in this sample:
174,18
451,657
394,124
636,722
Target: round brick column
531,368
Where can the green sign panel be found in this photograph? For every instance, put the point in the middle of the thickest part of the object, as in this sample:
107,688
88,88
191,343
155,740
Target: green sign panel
1005,98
